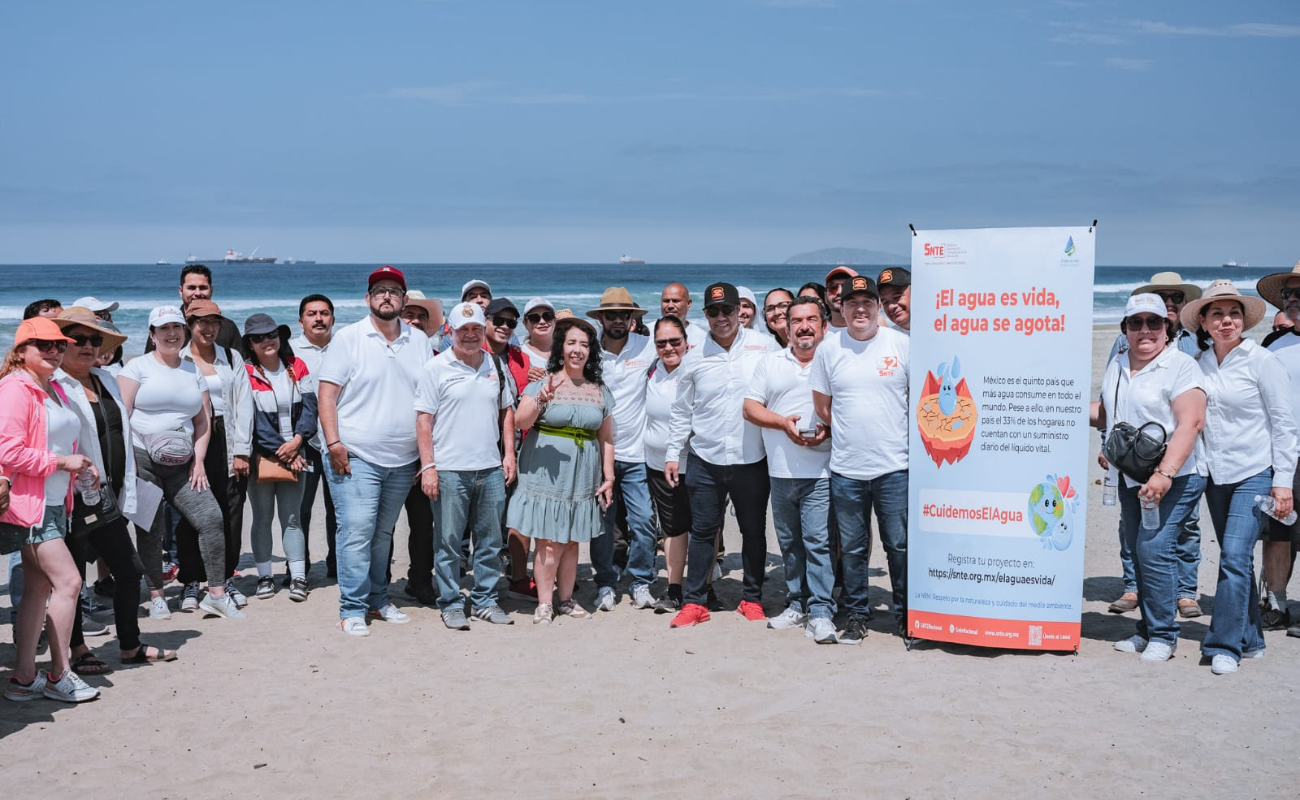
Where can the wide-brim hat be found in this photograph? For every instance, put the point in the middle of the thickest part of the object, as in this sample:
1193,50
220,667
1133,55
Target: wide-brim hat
415,297
80,315
262,324
565,318
616,298
1253,307
1270,286
1165,281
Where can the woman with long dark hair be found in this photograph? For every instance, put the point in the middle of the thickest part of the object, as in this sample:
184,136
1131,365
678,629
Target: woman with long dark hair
775,305
566,468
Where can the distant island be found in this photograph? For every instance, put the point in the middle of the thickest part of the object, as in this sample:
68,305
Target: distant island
850,256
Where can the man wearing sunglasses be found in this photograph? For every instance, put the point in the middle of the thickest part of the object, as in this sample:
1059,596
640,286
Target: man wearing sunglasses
1175,292
625,358
725,457
499,340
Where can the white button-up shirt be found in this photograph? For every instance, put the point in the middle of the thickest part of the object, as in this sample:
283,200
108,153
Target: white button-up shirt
625,376
711,398
1148,396
1249,424
377,380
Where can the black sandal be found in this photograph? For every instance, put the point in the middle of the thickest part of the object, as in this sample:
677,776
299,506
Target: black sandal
89,664
142,655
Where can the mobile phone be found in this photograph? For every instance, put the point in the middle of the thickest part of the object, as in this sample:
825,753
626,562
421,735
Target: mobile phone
808,433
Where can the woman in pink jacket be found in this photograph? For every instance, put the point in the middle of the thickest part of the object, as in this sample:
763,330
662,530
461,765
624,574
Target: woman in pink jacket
38,454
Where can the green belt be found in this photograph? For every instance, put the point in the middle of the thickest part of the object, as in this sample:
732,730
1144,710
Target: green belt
579,435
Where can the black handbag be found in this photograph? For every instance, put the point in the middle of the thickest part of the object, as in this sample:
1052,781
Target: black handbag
91,518
1133,451
12,537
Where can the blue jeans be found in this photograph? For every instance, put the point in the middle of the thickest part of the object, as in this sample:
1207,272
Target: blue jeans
477,497
852,501
367,502
630,481
800,514
708,486
1188,551
1155,554
1235,627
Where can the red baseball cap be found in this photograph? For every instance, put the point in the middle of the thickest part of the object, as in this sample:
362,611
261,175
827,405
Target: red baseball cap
840,271
39,329
387,273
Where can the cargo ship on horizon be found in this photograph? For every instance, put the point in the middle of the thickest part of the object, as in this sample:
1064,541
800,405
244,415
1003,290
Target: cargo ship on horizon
232,257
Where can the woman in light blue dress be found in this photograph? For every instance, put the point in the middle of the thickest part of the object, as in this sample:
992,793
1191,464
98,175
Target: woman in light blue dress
566,467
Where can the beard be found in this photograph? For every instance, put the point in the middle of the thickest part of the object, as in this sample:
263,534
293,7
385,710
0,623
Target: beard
386,314
613,334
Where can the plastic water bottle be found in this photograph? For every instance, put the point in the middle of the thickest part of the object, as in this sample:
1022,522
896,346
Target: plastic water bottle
1110,487
86,485
1265,503
1150,515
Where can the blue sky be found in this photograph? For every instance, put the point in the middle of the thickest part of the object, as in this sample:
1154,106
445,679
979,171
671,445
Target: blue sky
688,131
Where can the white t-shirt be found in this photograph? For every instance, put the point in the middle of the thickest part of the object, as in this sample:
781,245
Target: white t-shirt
281,396
625,377
868,386
215,396
780,383
312,356
536,357
62,426
167,399
465,403
1148,396
378,379
660,391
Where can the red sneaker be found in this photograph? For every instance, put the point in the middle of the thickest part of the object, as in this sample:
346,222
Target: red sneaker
691,614
524,589
751,611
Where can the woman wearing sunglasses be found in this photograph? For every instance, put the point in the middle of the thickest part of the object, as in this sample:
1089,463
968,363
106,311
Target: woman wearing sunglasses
539,322
672,507
1155,387
166,398
39,453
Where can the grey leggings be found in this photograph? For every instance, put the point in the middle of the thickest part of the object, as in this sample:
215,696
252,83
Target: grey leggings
265,499
200,509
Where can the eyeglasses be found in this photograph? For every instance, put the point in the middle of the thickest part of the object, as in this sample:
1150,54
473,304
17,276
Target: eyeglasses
617,315
713,311
1172,297
1290,291
509,322
675,342
81,340
46,347
258,338
776,307
1147,322
390,291
540,316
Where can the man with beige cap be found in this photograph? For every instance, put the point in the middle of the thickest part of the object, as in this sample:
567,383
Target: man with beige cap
1281,542
1175,292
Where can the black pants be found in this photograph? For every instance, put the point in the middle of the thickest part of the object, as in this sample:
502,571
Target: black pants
230,494
419,545
112,543
312,480
709,486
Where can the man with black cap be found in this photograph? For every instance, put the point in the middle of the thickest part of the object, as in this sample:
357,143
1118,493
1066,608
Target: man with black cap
725,457
625,359
859,383
367,388
499,340
895,287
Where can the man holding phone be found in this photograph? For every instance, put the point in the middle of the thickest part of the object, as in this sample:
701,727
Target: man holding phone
780,401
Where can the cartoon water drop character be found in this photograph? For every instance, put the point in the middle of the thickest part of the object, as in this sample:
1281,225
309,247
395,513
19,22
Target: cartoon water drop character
1062,533
948,386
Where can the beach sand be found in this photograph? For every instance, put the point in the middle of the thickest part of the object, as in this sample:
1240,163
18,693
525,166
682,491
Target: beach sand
284,704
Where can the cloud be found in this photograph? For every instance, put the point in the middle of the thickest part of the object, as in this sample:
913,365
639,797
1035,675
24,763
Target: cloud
491,93
1244,30
452,94
1131,64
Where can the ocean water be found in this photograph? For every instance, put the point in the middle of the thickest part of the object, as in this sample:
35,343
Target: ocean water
275,289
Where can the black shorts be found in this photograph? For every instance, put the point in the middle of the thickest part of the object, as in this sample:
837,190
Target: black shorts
672,507
1275,531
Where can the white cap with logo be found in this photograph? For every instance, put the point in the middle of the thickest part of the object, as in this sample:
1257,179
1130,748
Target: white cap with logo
465,313
1145,303
162,315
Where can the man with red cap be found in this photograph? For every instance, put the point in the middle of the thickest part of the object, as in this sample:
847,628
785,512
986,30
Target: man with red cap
367,385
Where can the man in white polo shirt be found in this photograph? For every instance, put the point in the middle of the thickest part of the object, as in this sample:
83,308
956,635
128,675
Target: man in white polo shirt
625,359
780,401
725,455
316,317
859,383
366,392
464,411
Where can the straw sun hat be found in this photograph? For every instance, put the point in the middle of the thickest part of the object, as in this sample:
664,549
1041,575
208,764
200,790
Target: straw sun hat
1270,286
1222,290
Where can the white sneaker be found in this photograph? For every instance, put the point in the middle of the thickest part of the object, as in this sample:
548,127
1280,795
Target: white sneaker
1133,644
190,602
1158,651
641,597
792,617
605,598
354,626
70,689
820,630
158,608
1254,654
223,606
1223,665
390,613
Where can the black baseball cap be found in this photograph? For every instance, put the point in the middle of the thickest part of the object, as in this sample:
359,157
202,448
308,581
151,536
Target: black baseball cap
894,276
859,284
721,294
500,304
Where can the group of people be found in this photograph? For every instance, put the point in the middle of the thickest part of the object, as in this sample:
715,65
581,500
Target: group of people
1223,410
599,429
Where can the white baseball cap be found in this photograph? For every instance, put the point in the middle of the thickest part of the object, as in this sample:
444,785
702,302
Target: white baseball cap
465,313
96,305
163,315
537,302
474,284
1145,303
